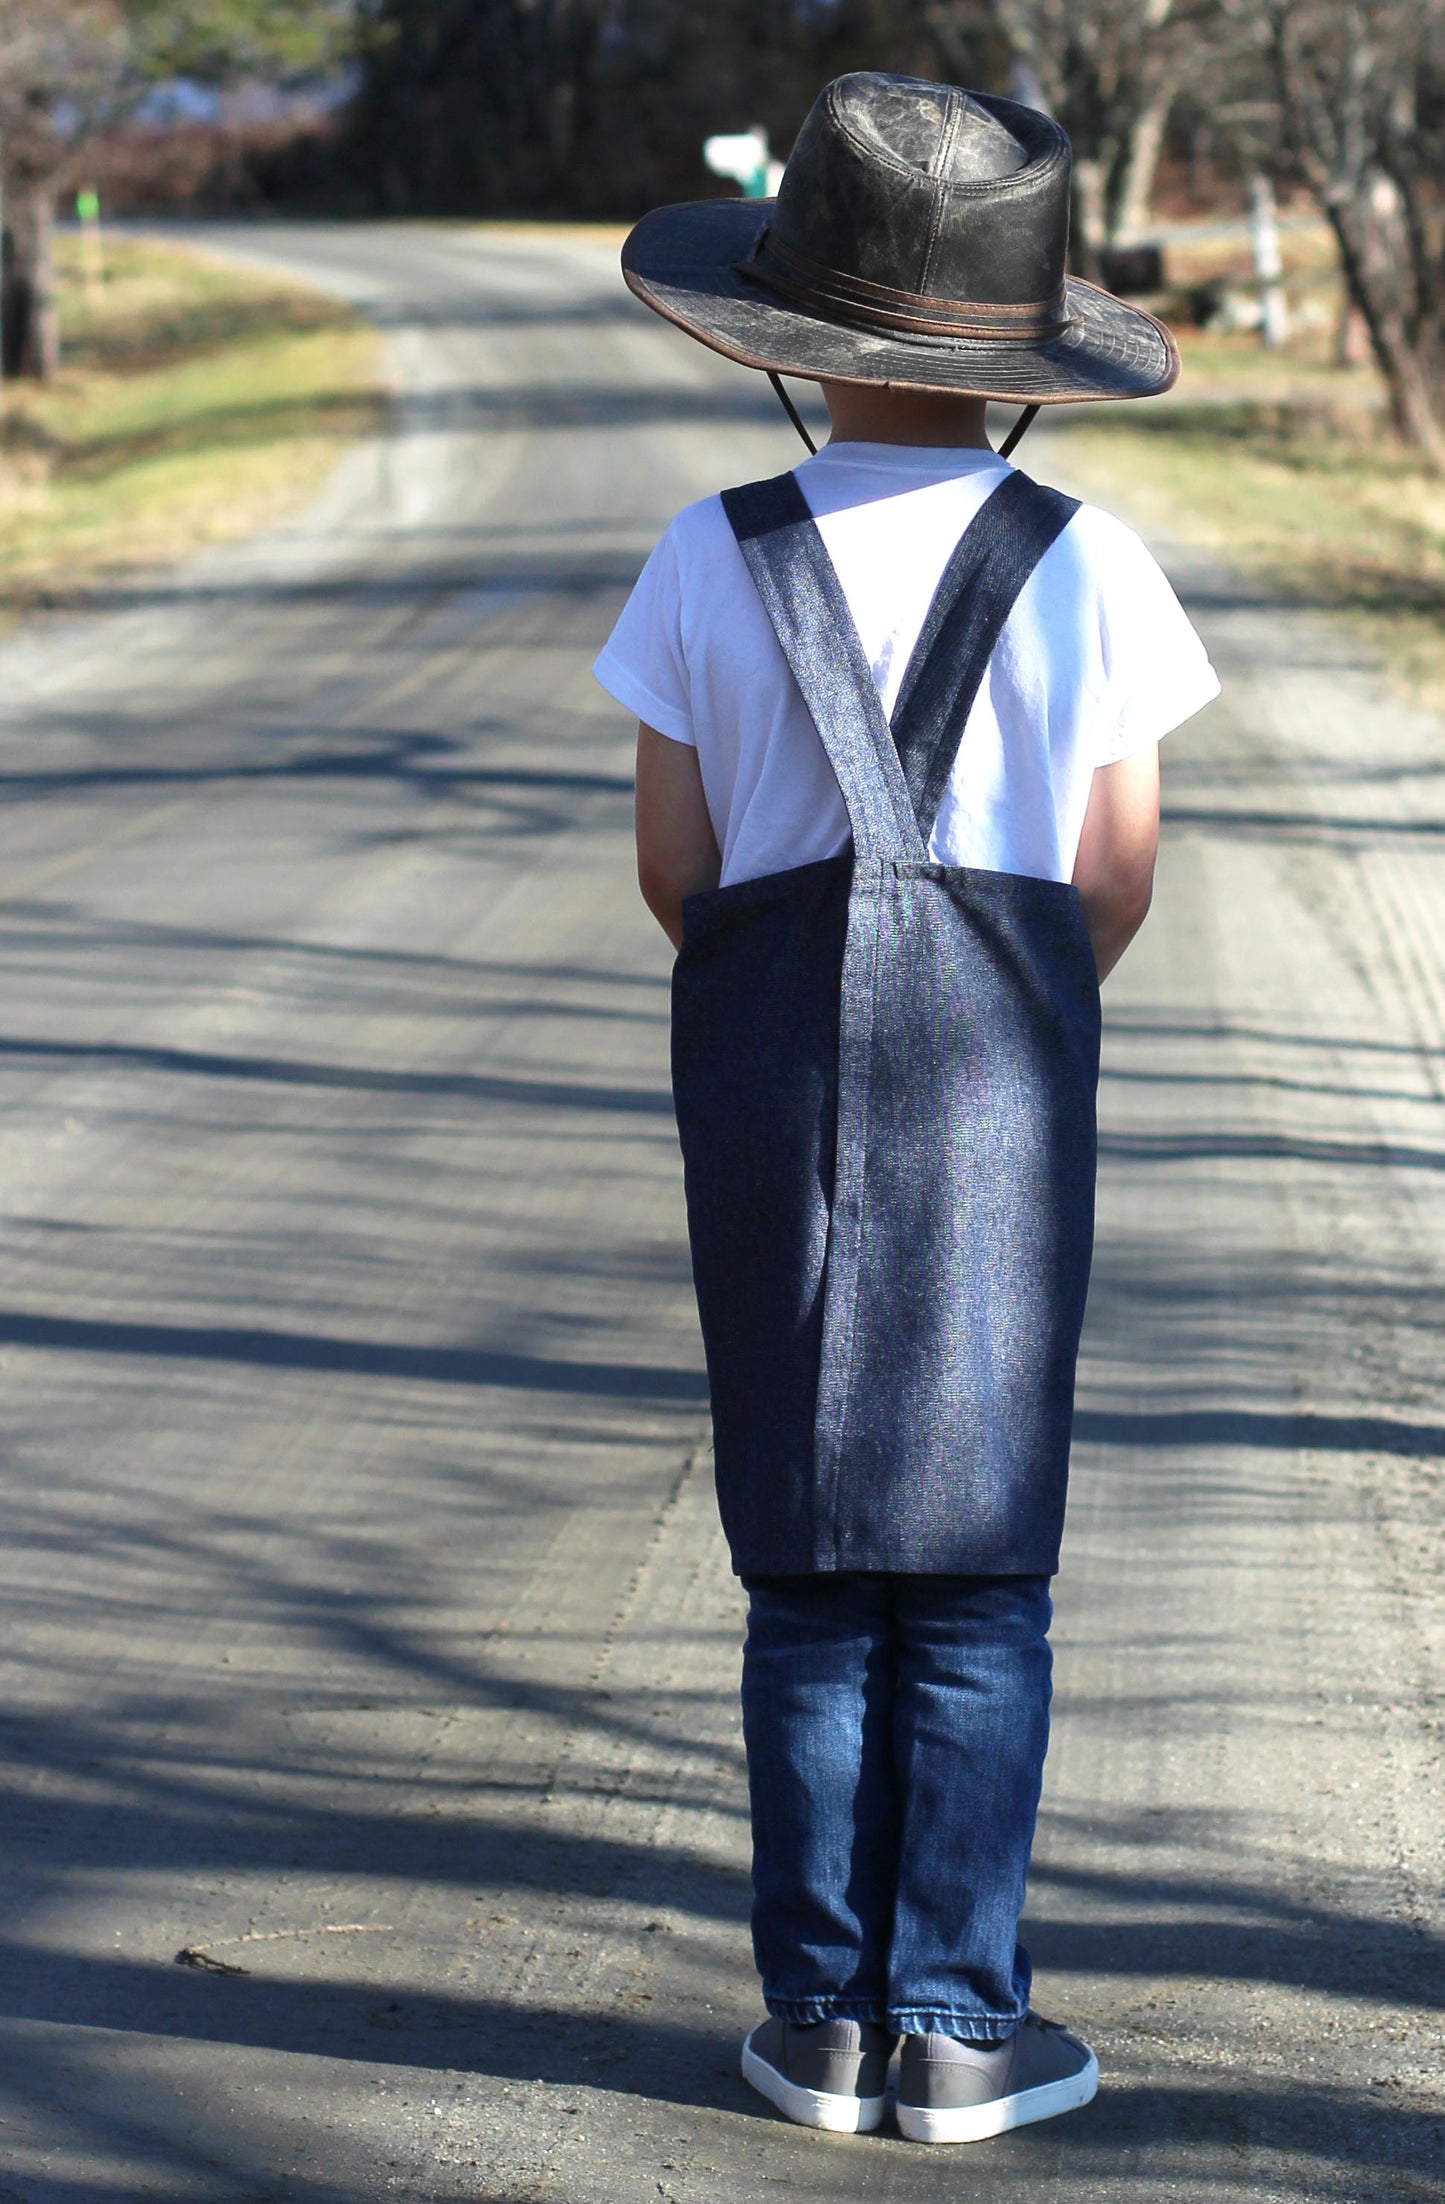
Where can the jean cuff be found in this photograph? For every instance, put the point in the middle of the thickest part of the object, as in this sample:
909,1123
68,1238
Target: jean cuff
806,2012
975,2027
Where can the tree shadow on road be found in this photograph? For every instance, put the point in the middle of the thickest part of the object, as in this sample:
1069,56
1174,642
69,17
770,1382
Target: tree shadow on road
1302,2139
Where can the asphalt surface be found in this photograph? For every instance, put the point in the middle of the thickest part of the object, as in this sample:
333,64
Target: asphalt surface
365,1625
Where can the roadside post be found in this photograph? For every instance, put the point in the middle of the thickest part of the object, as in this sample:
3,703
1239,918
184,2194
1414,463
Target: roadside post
1268,262
87,209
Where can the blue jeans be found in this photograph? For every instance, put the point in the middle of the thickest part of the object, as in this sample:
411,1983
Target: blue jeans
896,1729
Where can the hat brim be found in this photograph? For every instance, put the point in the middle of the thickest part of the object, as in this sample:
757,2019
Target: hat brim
683,262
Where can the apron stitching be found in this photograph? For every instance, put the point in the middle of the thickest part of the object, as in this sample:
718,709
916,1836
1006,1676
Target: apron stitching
841,1278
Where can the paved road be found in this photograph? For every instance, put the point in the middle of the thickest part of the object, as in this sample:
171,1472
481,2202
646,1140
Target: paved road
365,1624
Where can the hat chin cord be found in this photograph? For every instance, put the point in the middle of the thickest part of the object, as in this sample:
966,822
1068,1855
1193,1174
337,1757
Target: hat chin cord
1006,449
1018,432
791,410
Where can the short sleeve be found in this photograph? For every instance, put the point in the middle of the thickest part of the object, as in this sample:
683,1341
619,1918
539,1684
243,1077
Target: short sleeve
1156,670
642,662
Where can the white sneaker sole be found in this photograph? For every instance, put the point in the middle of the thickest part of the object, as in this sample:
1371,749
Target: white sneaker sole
811,2107
975,2123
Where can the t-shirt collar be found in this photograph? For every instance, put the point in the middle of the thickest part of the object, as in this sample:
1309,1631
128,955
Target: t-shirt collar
943,460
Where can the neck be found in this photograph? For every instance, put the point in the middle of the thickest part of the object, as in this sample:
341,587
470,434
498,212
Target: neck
866,413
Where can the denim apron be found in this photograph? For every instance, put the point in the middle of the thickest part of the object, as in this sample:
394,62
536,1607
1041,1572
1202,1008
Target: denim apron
884,1072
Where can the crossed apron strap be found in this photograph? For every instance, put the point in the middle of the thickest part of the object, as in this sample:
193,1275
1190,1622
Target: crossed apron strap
804,599
981,584
892,779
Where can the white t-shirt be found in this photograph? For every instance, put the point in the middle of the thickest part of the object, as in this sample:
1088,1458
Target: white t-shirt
1096,659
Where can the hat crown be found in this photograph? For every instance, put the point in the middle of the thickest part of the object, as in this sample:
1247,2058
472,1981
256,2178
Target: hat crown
928,190
933,128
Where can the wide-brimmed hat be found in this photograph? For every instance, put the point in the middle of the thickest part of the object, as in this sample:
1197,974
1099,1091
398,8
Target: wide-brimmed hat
919,237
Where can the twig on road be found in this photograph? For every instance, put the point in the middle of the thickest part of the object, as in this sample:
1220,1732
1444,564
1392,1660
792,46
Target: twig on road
201,1955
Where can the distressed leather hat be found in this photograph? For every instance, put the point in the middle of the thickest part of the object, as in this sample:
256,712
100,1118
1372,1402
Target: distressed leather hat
919,237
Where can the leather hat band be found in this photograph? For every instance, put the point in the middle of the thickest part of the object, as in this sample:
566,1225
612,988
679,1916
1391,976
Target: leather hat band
793,274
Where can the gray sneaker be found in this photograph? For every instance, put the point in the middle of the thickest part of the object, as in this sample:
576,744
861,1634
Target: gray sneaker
952,2092
830,2075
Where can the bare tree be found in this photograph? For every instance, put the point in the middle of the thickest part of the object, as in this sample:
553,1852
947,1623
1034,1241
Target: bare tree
59,61
1110,70
1360,92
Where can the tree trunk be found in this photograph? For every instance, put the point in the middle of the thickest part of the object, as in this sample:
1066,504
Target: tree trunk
1087,232
29,323
1372,284
1352,337
1134,201
1412,402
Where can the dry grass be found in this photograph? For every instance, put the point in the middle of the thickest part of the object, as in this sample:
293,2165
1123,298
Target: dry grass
196,402
199,401
1285,465
610,234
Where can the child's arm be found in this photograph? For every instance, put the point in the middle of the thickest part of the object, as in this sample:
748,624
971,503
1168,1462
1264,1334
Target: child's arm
677,852
1114,872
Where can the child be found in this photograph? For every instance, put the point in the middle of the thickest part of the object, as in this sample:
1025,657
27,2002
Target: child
897,806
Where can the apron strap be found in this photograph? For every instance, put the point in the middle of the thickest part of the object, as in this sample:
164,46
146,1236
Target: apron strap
981,583
803,598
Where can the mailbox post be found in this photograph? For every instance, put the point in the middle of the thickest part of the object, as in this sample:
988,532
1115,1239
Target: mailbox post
744,156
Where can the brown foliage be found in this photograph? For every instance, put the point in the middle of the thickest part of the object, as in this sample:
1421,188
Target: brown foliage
61,61
217,168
